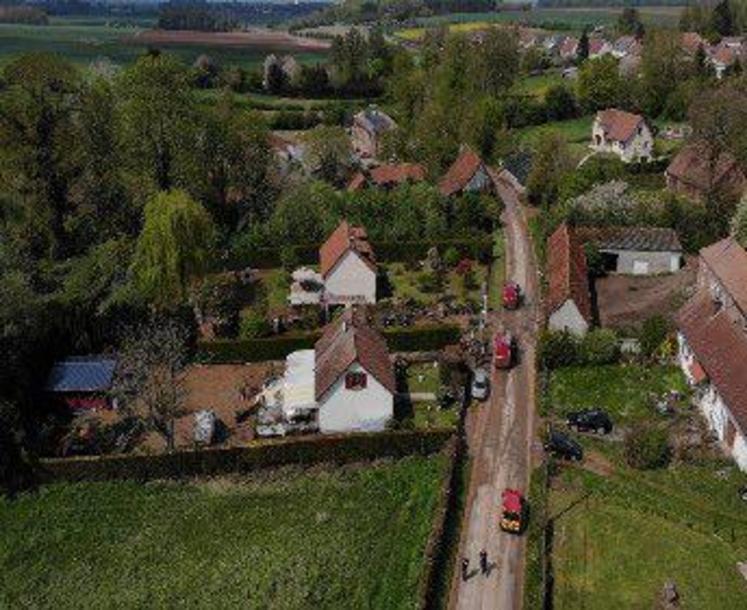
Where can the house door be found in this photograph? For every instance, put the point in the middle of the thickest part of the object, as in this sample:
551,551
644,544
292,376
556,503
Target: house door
674,263
640,267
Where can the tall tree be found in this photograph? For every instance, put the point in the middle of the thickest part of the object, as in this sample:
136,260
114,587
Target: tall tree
629,22
328,153
722,19
739,223
582,51
158,119
552,162
38,143
663,68
173,249
150,374
600,85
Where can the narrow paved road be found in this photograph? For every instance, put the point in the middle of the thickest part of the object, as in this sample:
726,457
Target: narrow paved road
500,435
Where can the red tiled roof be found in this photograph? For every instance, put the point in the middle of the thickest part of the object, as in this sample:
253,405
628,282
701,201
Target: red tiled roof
569,46
460,173
693,165
596,45
728,262
618,124
724,55
391,174
567,274
699,375
720,347
348,340
692,40
344,238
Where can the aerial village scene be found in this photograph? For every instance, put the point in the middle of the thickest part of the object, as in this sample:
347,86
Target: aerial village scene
400,304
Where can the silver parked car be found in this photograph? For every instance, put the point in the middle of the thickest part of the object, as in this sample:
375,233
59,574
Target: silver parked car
480,384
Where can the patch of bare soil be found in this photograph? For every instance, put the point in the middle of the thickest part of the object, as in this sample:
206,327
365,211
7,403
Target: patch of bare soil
598,464
627,300
254,37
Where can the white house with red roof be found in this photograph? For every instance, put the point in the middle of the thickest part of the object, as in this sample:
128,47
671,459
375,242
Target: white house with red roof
622,133
345,384
348,266
712,342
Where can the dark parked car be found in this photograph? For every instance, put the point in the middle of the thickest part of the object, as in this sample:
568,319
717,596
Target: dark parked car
564,446
593,420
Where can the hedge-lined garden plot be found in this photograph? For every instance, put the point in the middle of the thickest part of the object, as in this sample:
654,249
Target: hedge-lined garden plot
345,538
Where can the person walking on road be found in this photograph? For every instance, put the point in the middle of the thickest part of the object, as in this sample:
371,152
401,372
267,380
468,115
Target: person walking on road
484,562
465,568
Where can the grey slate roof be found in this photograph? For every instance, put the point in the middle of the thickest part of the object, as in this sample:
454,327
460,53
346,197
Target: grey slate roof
82,374
641,239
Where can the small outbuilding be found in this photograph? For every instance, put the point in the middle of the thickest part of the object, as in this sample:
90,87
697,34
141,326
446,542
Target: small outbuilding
698,170
82,382
468,174
635,250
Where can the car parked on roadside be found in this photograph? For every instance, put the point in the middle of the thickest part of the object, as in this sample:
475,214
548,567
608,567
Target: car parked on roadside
563,446
480,388
514,511
590,420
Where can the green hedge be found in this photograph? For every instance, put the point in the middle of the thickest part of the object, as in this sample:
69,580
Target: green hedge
480,249
411,339
338,449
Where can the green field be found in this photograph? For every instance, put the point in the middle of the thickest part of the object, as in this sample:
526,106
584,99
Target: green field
573,19
342,538
636,530
625,391
84,41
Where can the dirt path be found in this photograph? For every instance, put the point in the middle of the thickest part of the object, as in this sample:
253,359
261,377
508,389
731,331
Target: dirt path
500,436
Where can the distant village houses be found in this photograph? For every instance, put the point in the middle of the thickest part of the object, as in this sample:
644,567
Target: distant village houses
622,133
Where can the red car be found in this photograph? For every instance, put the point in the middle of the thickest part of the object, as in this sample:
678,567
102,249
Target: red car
514,510
511,295
503,350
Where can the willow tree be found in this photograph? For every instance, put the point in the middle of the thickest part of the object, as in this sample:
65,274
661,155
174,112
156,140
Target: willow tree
173,249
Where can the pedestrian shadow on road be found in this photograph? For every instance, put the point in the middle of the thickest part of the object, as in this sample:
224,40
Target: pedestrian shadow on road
471,574
493,565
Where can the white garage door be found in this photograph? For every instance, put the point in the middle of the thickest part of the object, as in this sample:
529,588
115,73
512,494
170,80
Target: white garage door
640,267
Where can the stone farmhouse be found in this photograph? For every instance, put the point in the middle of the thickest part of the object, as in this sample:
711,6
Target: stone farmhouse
624,134
712,342
368,130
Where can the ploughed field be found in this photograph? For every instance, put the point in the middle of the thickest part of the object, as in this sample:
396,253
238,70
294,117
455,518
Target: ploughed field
87,41
350,537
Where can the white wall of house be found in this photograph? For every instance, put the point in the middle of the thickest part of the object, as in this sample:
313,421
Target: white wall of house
343,410
645,263
639,147
568,317
713,408
350,281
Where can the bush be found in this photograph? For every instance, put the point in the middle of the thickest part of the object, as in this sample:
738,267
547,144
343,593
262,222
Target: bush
430,281
556,349
600,346
451,256
253,325
421,338
654,331
647,447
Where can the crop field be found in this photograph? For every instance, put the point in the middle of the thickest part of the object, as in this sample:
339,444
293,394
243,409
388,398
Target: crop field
349,537
85,41
571,19
619,538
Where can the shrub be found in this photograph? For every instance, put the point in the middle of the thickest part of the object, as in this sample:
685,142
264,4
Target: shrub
647,447
600,346
451,256
430,281
653,333
253,325
556,349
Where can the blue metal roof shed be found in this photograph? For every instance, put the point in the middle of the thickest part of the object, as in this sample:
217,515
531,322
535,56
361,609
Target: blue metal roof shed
82,374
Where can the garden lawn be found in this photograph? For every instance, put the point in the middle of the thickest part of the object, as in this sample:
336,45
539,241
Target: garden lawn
404,283
538,85
429,415
423,377
343,538
624,391
637,530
